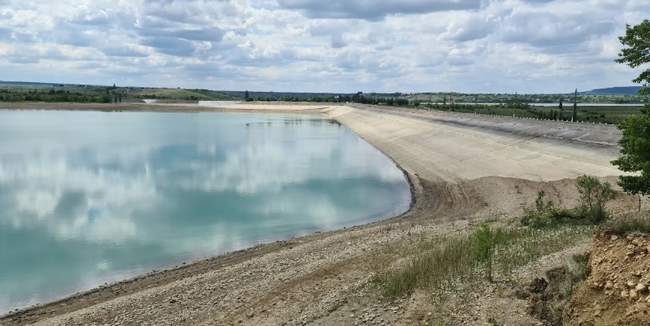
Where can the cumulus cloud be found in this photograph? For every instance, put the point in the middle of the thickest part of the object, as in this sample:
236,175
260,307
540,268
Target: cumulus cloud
282,45
548,29
372,10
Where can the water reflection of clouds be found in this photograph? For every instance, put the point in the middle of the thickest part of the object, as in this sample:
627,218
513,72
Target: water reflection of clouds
268,165
111,183
215,185
73,202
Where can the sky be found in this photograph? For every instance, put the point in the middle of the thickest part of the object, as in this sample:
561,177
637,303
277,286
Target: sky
507,46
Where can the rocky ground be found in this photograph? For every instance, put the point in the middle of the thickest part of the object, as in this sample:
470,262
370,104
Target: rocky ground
617,291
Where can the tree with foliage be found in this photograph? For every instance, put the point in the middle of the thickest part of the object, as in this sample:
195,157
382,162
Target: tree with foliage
636,52
635,143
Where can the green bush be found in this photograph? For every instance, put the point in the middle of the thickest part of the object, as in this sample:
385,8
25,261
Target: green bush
594,194
546,214
484,240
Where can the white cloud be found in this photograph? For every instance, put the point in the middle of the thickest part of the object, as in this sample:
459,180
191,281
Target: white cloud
308,45
372,10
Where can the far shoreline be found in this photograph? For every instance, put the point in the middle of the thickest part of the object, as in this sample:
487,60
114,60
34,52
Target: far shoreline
313,108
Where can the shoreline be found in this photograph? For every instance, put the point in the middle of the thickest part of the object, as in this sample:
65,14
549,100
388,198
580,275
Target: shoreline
144,107
456,201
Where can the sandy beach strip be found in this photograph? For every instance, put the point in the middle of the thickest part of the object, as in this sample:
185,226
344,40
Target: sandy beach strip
459,173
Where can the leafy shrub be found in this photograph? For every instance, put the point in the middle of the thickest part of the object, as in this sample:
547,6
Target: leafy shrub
594,194
484,241
545,213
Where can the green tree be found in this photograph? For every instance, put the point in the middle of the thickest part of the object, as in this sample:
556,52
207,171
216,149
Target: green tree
636,51
635,143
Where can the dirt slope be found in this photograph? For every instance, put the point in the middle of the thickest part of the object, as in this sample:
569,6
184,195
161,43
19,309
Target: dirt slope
445,152
617,289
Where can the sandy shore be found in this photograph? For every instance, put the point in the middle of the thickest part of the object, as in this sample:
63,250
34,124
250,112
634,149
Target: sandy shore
462,169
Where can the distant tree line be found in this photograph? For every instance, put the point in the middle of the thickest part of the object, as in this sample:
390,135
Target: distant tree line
9,95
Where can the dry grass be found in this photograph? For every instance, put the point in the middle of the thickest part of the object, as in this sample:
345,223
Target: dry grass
439,263
637,222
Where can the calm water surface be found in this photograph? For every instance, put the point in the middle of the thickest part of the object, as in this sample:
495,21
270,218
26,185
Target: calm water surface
93,197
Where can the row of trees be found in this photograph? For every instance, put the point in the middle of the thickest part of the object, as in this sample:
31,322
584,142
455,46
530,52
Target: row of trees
52,95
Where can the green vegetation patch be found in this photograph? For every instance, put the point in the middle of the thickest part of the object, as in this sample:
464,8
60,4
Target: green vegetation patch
43,92
486,251
594,195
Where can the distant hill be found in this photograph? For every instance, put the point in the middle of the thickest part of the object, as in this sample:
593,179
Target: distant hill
626,90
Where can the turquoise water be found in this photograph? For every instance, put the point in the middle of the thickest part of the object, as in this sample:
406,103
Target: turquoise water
94,197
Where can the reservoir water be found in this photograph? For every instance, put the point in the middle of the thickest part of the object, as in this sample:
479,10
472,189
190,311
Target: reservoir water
94,197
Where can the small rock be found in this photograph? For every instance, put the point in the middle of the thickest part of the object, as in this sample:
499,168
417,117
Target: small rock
633,294
609,284
624,294
614,237
640,287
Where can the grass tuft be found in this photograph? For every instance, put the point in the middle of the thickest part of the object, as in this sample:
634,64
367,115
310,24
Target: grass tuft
438,263
633,223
